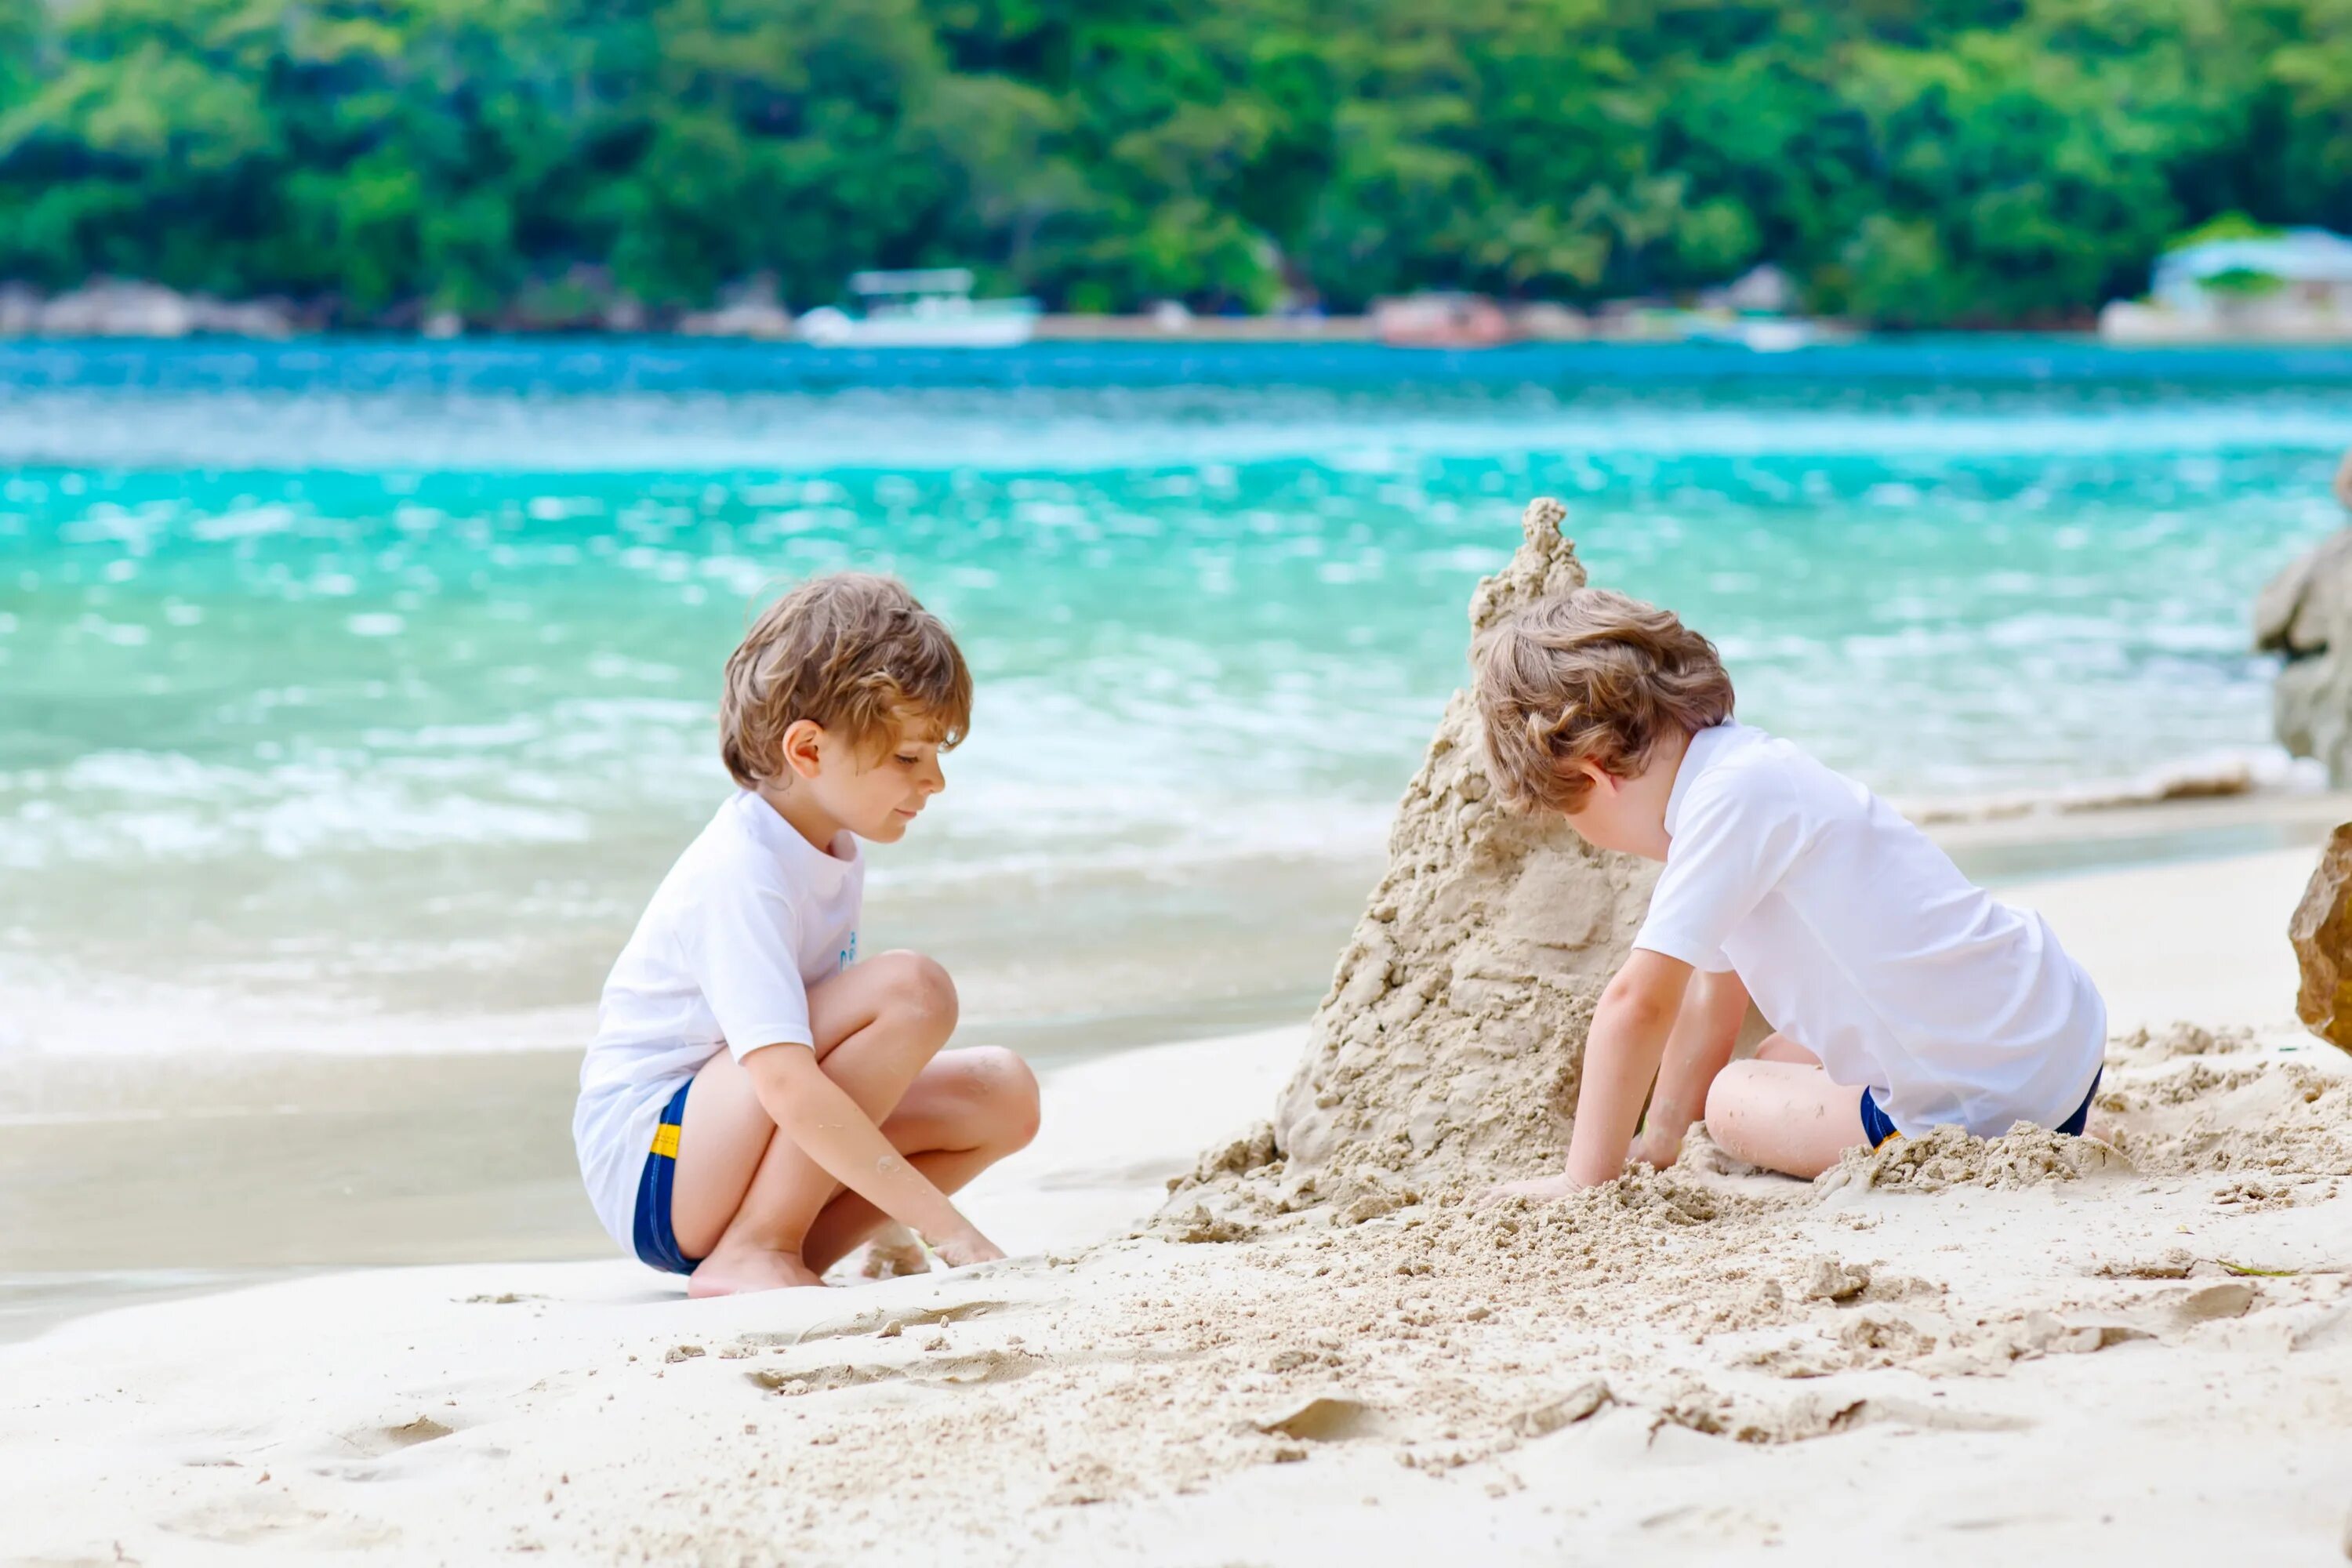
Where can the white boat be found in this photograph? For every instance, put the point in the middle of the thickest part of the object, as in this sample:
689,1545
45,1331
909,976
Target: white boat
930,307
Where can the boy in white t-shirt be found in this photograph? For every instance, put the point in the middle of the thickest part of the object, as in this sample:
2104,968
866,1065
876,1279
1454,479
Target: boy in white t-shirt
747,1068
1902,997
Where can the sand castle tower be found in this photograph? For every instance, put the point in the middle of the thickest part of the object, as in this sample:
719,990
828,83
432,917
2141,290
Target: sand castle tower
1450,1044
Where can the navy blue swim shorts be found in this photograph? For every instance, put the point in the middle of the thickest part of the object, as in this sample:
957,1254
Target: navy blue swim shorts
1876,1128
657,1242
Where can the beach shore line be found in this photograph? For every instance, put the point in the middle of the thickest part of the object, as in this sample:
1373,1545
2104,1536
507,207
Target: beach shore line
133,1177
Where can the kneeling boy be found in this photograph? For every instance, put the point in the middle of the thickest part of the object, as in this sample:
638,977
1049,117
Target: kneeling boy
747,1068
1902,997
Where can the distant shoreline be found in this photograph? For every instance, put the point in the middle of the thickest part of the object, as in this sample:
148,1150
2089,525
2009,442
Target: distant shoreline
1344,333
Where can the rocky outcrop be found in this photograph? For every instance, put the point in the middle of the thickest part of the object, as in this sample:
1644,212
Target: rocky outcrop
2321,931
2305,615
579,299
1450,1044
750,308
112,308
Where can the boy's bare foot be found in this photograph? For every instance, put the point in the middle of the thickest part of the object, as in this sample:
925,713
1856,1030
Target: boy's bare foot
739,1272
893,1253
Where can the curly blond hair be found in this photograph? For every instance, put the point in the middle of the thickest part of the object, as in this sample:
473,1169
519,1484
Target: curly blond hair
852,652
1590,676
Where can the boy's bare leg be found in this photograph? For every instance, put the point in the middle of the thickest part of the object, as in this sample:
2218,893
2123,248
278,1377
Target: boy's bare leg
745,1200
1706,1031
963,1113
1783,1115
1779,1047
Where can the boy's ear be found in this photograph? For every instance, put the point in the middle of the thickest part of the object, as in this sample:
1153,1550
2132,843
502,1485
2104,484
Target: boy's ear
1601,777
803,747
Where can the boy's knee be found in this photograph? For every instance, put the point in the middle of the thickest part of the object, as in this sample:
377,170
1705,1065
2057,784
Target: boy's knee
919,991
1722,1097
1007,1089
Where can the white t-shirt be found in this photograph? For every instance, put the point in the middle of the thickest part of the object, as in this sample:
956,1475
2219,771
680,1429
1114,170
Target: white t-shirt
748,919
1860,940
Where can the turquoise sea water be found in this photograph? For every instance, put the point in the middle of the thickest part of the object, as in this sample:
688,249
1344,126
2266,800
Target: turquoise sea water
375,683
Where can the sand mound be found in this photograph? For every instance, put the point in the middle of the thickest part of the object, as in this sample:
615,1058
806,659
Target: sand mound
1449,1048
2181,1039
2025,1156
1449,1044
2201,1119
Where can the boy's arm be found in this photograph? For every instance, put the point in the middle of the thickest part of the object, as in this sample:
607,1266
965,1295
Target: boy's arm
1705,1033
817,1113
1628,1033
1629,1027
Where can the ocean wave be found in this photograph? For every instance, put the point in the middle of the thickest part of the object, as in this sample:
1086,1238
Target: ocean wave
2209,775
1062,433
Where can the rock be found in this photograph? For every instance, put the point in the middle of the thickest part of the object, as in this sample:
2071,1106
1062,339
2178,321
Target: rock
2321,931
1452,1034
748,308
242,319
20,311
580,299
108,307
2305,615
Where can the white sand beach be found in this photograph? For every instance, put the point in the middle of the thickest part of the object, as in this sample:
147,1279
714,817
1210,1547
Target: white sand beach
1950,1359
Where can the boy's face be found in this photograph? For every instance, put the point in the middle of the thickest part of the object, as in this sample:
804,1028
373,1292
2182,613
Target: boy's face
1628,816
877,795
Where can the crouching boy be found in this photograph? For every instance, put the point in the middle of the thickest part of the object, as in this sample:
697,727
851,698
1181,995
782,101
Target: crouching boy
1901,997
757,1100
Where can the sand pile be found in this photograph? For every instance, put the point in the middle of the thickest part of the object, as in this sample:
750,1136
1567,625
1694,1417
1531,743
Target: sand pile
1420,1329
2202,1117
2164,1110
1448,1047
2026,1156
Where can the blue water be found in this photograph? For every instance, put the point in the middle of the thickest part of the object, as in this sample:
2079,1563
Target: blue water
380,677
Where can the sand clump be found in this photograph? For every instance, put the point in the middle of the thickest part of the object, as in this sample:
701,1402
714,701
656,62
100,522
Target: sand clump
2270,1115
2025,1156
2166,1108
2181,1039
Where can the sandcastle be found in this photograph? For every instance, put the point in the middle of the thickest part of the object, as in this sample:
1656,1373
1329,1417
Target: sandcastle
1450,1044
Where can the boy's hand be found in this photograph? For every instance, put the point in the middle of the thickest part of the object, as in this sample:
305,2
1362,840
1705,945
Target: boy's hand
1656,1149
1637,1012
964,1248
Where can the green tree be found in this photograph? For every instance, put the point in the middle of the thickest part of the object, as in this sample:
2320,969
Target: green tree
1912,163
